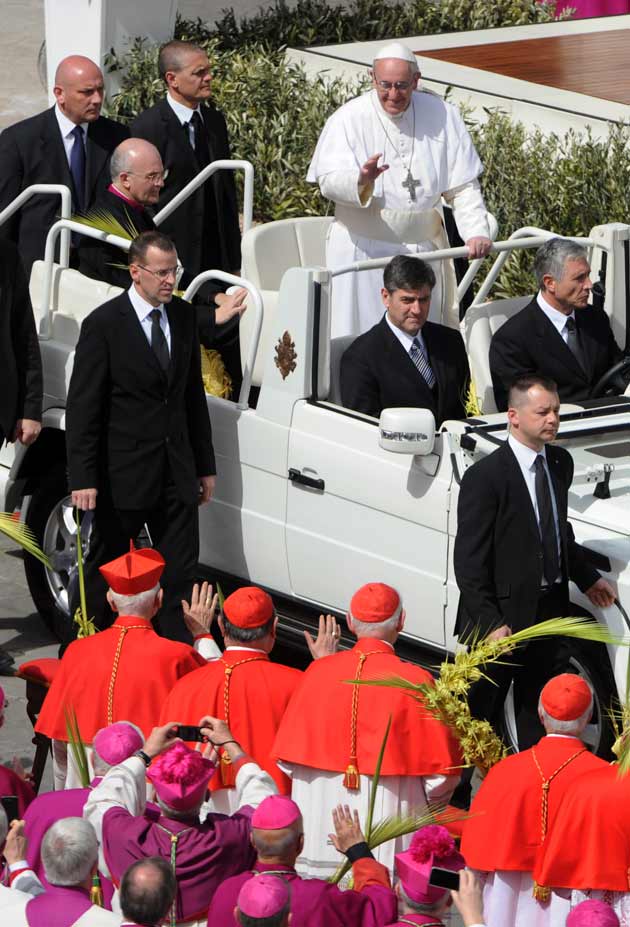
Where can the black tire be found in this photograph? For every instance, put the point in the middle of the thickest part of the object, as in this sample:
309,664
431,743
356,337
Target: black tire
49,588
590,661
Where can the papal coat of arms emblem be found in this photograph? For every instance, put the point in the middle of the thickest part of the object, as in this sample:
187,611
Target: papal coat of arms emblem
285,355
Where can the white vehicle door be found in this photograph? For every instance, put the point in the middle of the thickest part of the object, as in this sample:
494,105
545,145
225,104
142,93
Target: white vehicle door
357,513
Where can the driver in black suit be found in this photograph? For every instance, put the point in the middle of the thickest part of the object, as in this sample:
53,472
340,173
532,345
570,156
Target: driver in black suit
405,360
558,334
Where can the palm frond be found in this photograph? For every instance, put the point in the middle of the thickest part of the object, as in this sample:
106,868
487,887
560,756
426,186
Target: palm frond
105,221
21,534
85,625
221,596
387,682
375,781
77,747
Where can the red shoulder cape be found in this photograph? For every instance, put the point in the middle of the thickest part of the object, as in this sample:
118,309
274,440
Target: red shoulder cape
259,692
512,794
148,668
316,728
589,844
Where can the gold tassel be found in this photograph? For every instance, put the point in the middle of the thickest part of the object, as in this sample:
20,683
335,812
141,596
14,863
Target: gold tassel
541,892
228,779
351,779
96,892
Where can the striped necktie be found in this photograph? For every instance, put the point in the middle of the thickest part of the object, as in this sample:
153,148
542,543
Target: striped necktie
419,357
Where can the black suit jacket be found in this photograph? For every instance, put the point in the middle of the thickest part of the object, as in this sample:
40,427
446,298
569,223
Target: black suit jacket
377,373
20,362
96,258
126,420
32,152
205,232
498,554
529,343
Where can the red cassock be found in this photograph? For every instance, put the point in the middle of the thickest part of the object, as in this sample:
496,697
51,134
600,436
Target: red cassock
317,728
508,814
589,844
11,784
249,691
121,674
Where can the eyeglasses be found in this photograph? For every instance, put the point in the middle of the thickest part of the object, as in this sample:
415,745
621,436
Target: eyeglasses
396,85
161,274
155,177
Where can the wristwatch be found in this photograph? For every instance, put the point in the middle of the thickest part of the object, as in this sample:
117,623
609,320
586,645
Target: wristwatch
146,759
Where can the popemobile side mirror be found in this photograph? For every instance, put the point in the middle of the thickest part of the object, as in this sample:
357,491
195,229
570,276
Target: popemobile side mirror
407,431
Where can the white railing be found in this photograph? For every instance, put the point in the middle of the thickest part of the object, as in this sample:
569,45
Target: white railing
202,176
256,308
37,189
49,261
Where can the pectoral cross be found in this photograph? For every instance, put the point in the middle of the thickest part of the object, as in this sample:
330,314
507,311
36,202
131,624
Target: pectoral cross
410,185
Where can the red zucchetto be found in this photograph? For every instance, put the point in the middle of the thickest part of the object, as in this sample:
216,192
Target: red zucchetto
566,697
248,607
375,602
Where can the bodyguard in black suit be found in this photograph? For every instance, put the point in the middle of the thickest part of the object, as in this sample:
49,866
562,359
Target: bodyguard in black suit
69,144
138,433
405,360
515,551
558,334
20,367
189,132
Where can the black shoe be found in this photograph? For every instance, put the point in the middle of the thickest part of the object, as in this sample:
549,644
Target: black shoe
7,664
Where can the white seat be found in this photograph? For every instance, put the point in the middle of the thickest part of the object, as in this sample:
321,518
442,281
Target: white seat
337,348
73,297
268,251
477,327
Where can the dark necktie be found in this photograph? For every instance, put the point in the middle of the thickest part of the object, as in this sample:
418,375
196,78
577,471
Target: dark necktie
421,361
548,536
573,341
158,341
202,151
77,167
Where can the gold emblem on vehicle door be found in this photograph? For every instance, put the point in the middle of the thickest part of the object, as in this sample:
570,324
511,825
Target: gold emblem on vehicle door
285,355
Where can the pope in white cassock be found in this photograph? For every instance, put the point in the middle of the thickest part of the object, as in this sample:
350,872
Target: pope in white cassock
393,207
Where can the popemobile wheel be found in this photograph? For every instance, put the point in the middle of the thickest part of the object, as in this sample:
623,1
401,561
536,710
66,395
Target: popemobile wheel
591,662
50,515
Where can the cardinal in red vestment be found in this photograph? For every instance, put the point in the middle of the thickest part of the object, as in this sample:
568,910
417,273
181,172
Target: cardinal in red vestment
123,673
332,732
524,792
229,688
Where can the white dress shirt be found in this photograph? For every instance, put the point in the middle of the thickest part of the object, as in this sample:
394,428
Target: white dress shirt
143,310
557,319
526,458
67,127
184,114
406,339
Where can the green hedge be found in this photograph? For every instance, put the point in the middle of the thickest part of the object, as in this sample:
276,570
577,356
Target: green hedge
316,22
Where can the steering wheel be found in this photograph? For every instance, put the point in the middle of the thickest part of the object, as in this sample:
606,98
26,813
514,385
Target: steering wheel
605,380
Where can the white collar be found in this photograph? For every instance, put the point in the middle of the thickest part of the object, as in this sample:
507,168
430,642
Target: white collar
525,455
67,126
142,307
566,736
558,319
252,649
404,337
183,113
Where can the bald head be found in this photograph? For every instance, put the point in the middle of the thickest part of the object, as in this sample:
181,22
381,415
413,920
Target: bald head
137,171
147,890
79,89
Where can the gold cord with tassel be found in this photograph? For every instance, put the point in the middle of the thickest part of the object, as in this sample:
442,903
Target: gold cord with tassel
96,891
228,779
351,779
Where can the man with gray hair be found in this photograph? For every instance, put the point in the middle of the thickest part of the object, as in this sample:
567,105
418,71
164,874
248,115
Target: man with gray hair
127,670
331,734
387,159
70,855
524,792
558,335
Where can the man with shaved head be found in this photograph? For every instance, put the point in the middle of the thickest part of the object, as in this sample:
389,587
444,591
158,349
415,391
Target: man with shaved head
70,144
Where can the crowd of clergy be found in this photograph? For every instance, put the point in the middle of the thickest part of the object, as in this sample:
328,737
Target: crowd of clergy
245,814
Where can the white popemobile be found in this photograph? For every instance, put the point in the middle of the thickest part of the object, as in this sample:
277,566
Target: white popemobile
312,499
